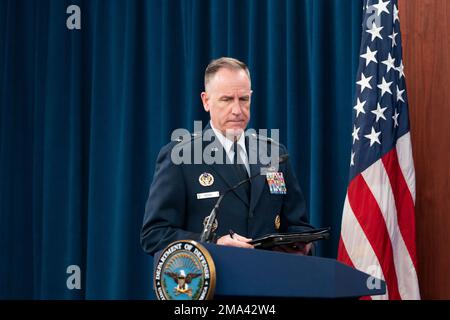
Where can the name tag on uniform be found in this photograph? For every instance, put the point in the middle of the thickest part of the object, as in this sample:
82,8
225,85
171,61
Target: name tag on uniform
276,183
208,195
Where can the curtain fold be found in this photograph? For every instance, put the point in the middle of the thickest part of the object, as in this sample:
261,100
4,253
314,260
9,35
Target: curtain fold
84,113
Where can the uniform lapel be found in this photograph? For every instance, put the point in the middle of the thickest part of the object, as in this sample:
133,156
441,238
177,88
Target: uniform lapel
227,173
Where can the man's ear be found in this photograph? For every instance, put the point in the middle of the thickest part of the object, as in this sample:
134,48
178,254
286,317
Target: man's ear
204,97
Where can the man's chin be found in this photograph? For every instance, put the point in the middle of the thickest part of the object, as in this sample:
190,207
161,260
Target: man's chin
234,132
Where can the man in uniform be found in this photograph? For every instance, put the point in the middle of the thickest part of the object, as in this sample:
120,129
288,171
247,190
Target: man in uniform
183,195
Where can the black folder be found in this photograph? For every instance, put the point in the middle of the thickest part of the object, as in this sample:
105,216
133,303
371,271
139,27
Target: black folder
272,240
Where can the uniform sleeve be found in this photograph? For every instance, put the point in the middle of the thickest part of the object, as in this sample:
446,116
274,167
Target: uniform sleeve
294,217
166,206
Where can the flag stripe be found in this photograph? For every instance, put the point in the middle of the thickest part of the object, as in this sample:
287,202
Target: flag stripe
403,203
343,254
345,258
357,246
377,181
405,160
372,222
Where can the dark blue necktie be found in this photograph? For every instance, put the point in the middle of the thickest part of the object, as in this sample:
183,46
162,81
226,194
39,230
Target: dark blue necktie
240,169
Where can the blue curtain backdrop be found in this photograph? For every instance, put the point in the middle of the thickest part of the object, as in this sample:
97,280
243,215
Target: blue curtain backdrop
83,114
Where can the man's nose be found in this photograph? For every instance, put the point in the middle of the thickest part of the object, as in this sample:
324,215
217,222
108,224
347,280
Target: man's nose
236,108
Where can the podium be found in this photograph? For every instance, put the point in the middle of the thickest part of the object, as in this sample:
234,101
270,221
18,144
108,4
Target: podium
256,273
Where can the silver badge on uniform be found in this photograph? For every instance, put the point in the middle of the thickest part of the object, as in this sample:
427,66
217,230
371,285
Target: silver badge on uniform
208,195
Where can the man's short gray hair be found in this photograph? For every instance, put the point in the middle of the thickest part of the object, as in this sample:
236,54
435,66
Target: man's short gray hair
224,62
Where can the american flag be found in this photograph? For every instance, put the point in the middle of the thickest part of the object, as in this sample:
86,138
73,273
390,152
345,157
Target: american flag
378,224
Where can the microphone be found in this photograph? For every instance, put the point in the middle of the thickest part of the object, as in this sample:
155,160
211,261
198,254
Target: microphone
207,233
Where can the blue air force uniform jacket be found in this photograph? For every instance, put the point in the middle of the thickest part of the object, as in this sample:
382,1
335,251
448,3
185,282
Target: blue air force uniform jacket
174,212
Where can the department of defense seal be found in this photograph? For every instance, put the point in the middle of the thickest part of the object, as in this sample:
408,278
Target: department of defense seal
185,271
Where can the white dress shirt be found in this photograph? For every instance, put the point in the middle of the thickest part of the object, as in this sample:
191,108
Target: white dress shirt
228,146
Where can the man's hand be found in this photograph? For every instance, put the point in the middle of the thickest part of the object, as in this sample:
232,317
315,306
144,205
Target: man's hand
298,248
236,241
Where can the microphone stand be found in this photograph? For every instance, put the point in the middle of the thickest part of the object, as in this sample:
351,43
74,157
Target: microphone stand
207,235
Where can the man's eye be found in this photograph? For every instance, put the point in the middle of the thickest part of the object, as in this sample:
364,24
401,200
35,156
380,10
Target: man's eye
244,99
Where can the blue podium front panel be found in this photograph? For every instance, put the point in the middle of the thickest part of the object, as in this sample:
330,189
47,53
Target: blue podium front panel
259,273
